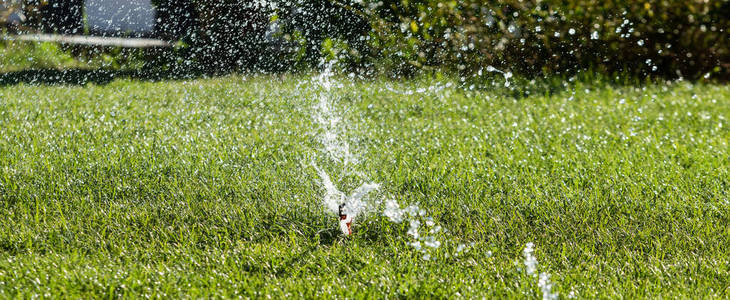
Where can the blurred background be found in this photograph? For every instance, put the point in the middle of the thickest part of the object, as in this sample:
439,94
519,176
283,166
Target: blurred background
41,39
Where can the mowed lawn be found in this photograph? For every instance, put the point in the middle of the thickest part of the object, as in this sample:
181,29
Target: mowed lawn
206,188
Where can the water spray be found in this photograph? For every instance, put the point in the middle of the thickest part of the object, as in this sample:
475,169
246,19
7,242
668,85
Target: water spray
347,207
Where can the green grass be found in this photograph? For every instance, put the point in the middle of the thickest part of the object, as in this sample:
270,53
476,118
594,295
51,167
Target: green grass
204,188
19,56
16,56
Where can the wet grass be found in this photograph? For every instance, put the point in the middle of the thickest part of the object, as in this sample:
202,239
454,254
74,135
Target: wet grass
203,188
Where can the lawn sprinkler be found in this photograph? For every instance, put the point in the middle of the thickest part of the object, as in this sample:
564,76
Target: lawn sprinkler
345,221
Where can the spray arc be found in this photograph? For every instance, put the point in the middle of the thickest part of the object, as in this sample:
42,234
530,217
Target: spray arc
337,149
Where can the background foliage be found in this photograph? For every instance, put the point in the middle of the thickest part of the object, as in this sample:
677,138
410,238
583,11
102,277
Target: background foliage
675,39
657,38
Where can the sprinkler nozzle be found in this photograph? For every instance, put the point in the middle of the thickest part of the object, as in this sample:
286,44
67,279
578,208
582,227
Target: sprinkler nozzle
345,221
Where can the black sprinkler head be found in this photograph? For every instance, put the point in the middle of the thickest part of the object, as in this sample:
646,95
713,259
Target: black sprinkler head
341,207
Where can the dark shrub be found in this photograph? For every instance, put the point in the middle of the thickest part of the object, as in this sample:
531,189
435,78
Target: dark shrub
317,20
231,34
176,19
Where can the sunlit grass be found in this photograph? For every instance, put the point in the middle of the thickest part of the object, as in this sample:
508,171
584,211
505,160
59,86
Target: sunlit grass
15,56
204,187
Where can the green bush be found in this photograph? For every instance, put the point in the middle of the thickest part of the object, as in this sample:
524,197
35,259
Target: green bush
532,38
685,39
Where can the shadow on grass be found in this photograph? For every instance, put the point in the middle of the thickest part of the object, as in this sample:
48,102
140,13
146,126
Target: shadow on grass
329,236
519,88
51,76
